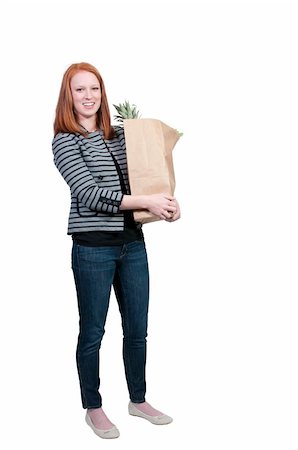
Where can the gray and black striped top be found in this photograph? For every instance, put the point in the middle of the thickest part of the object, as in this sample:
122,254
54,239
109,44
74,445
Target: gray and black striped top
88,167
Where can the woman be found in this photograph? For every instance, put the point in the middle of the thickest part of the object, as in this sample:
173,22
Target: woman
108,246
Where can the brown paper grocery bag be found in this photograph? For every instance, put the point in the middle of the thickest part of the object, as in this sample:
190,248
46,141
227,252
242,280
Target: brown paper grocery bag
149,145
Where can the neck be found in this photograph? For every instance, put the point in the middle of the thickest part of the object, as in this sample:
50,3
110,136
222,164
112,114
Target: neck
89,125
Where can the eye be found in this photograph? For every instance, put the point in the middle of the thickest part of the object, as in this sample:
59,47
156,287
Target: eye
96,88
79,89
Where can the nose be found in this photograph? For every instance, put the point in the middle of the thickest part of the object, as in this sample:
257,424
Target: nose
88,94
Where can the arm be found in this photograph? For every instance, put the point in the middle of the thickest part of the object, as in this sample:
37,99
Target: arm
71,165
162,205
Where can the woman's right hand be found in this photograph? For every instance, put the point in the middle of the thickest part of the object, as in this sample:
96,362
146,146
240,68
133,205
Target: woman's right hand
161,205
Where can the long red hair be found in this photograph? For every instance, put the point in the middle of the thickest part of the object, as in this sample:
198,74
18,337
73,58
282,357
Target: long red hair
65,119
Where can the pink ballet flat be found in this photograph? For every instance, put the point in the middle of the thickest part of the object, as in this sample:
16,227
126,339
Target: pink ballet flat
163,419
111,433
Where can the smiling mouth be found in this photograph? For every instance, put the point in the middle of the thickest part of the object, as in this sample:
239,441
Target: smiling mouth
88,104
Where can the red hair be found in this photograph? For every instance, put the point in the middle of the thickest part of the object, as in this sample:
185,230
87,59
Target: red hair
65,119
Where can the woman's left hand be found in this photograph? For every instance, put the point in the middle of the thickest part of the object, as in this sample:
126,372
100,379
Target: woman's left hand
177,214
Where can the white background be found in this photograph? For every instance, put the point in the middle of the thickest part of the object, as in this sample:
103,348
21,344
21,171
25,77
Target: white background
221,344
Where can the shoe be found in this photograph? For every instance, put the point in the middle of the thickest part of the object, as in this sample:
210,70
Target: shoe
111,433
163,419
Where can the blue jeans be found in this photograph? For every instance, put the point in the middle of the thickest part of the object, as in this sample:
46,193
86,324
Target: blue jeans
96,270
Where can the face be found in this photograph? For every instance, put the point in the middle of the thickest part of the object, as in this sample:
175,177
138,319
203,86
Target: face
86,94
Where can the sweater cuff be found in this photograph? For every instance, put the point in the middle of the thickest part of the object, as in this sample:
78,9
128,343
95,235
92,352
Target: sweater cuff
110,204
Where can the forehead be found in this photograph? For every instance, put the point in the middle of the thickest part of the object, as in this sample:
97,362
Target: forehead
83,77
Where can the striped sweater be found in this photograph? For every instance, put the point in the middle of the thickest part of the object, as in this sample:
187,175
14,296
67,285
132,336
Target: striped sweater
88,167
